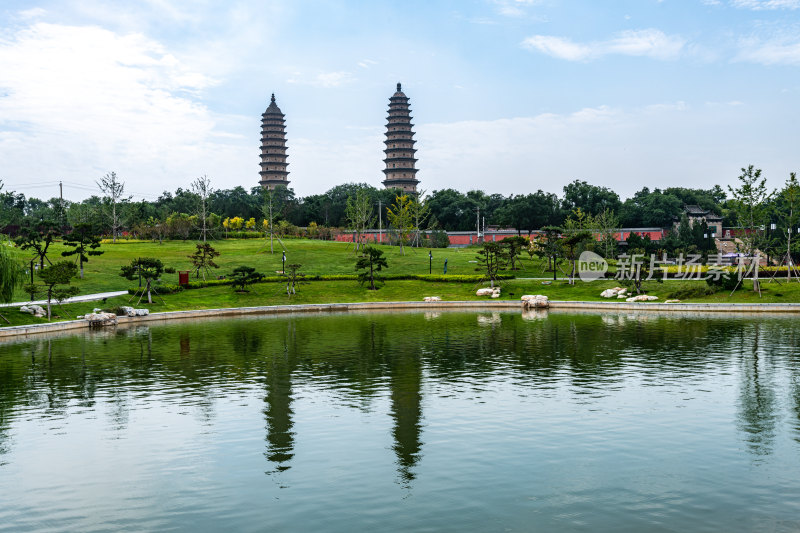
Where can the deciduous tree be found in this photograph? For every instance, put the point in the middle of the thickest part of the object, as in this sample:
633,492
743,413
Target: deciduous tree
400,218
111,186
202,188
751,203
359,214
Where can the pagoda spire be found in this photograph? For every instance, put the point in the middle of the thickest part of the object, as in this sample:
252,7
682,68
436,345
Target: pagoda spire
273,147
400,162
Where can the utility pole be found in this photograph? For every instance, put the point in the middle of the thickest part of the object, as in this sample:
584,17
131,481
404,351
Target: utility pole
478,224
61,196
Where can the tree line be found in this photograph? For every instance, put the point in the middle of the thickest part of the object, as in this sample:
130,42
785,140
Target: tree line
197,210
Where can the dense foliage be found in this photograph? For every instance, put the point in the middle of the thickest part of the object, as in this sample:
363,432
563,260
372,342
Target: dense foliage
240,213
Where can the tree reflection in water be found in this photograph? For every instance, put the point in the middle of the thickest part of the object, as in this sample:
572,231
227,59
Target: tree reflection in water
370,357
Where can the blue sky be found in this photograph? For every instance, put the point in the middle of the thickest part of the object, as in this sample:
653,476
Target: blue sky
508,96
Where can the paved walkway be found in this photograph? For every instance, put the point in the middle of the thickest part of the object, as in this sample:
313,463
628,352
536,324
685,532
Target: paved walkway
79,298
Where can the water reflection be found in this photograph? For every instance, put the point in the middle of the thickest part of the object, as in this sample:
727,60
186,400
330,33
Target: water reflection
406,383
278,408
757,403
587,359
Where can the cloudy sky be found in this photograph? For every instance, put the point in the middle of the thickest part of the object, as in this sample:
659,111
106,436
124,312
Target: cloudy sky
508,96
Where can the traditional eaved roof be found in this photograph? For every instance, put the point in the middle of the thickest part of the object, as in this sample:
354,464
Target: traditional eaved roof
273,108
695,210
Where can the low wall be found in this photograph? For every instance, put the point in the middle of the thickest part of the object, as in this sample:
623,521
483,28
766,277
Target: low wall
30,329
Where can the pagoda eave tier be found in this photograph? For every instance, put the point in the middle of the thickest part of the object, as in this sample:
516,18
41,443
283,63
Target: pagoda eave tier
400,160
403,150
390,183
389,171
274,183
409,133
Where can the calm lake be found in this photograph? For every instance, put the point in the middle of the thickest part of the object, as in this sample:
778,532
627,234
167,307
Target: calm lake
437,421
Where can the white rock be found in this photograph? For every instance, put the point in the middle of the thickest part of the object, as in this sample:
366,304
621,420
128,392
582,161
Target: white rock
619,292
142,312
484,292
35,310
672,302
641,298
432,299
129,311
495,295
535,301
103,319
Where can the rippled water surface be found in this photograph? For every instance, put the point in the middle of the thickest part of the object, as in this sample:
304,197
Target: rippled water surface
406,422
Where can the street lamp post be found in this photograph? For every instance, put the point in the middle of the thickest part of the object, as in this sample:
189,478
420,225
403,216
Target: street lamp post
430,262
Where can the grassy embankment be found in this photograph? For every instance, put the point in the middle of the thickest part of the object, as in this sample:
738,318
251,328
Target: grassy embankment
102,274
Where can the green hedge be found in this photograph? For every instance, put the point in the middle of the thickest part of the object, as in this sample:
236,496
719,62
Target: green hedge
168,288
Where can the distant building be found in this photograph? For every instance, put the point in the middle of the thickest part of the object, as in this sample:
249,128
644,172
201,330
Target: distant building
273,148
698,215
400,162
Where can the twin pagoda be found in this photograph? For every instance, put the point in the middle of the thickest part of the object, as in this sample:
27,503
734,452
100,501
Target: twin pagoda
273,148
400,171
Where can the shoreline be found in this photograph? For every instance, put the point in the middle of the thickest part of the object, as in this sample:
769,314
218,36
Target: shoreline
555,305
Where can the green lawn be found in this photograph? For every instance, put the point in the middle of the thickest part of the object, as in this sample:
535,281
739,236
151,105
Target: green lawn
401,290
316,257
319,257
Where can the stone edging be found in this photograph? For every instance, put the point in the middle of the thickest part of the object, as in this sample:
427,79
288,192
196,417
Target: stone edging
29,329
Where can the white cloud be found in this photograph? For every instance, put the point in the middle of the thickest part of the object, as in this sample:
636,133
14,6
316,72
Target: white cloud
647,43
759,5
366,63
514,8
778,52
76,102
326,80
33,13
558,47
661,145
